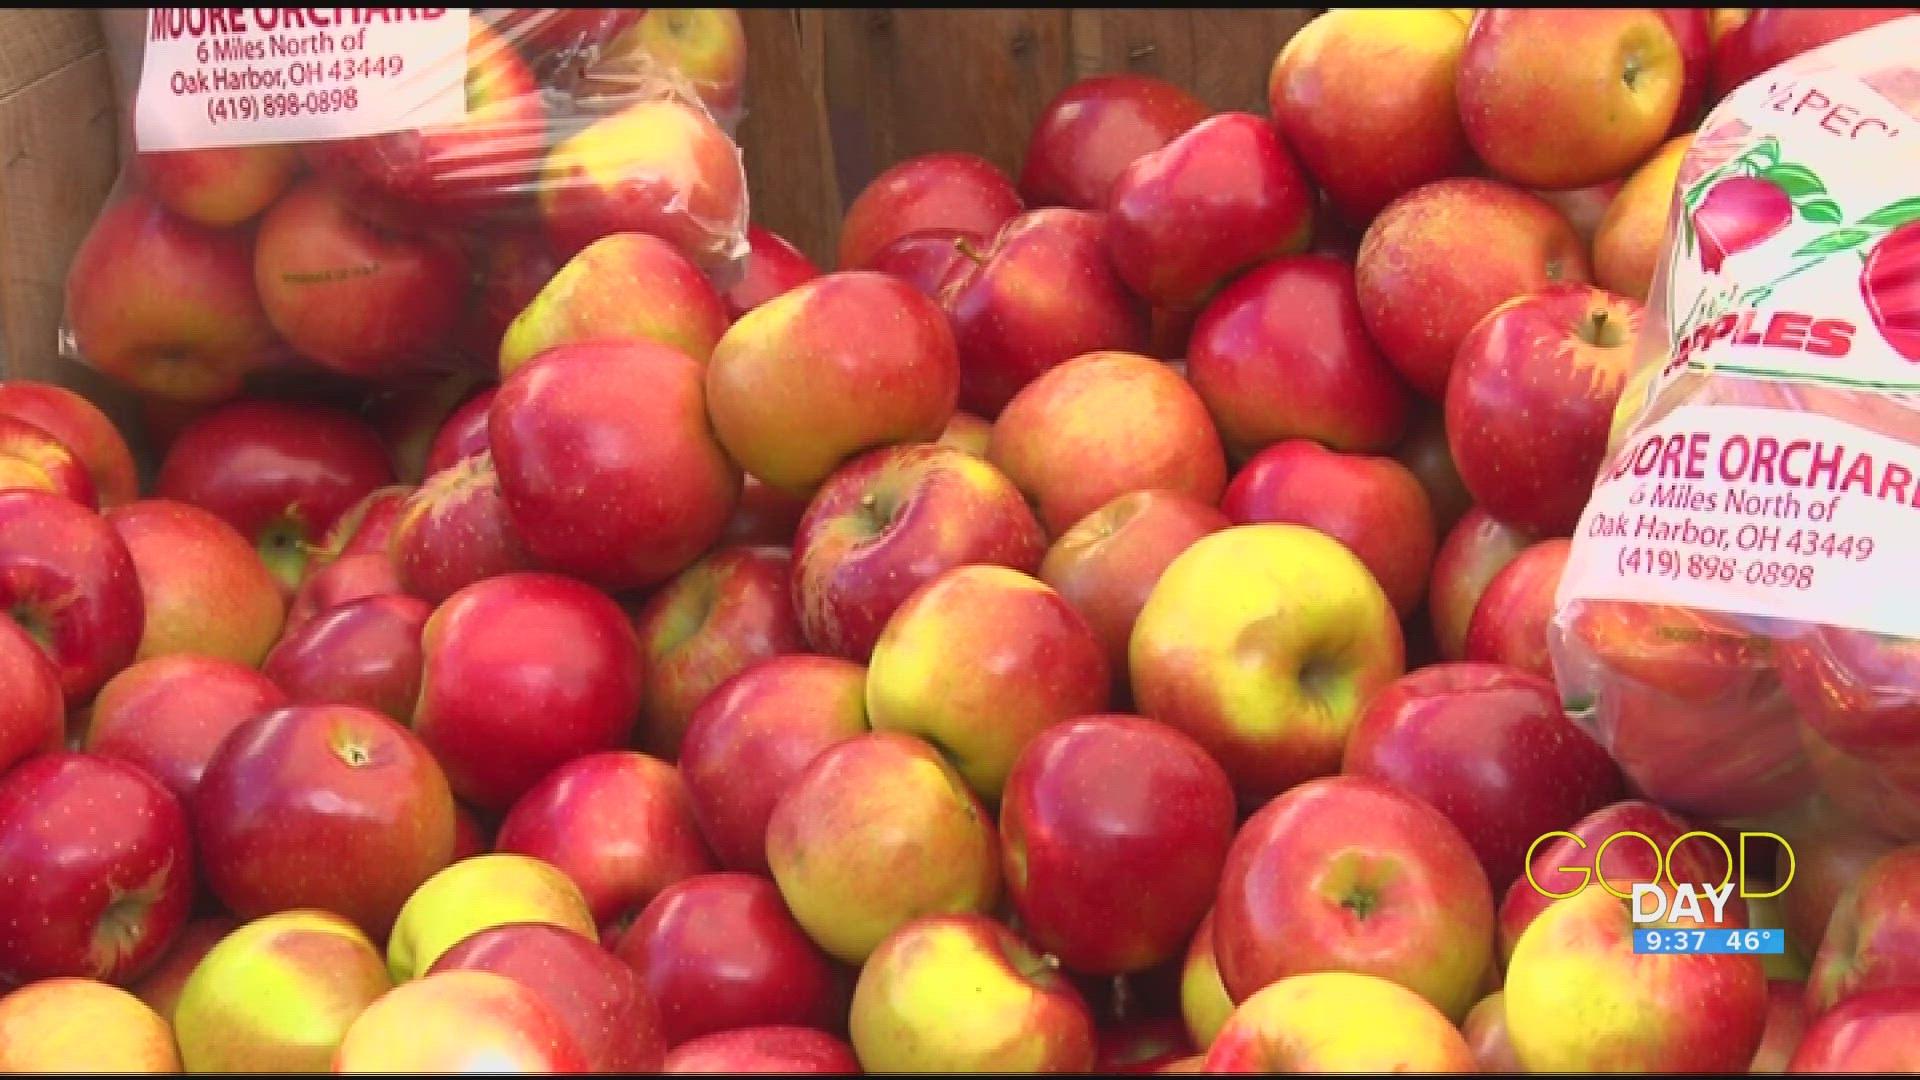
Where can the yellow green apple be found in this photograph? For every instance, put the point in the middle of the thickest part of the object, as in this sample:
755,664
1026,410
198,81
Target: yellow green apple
474,894
627,285
1337,1021
72,1024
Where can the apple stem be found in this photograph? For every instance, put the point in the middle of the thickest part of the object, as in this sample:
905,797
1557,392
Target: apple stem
965,247
1122,998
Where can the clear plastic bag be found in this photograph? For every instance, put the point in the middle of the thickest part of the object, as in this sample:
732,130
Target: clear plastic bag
1739,619
371,191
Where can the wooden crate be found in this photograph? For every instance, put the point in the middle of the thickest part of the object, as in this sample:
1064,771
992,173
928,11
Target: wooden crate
833,97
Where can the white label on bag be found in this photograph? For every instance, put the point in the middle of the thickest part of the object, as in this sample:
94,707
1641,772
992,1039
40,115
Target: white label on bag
1779,513
245,76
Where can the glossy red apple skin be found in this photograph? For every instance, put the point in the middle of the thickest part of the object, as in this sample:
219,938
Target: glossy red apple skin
459,1022
1109,561
608,465
764,515
280,472
1294,867
1871,935
512,267
1491,749
1469,557
1876,1031
1372,504
719,951
410,412
1094,809
454,531
524,672
942,190
168,714
1282,353
777,1049
1530,401
1624,863
599,999
756,732
773,266
204,587
1771,36
364,652
463,433
1693,32
1509,624
32,709
343,580
293,795
946,508
96,869
68,579
83,428
1424,451
161,985
732,607
366,527
1217,198
1008,332
617,821
929,259
1094,129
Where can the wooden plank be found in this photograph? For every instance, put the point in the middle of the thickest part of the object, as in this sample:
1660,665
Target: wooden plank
1223,55
789,155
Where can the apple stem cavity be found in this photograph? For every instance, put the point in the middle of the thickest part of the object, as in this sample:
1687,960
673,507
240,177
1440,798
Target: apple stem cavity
119,930
35,627
1607,333
965,247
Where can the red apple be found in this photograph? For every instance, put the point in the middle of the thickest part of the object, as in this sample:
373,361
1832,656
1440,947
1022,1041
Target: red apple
658,165
1771,36
1824,864
776,1049
601,1001
524,672
1425,453
195,340
1102,425
748,739
607,465
454,530
351,295
96,869
1371,504
901,1019
1692,30
1337,1021
732,607
512,266
458,1022
889,521
292,795
1531,398
1739,213
280,472
1217,198
1491,749
978,661
463,433
1786,1026
1566,865
945,190
928,259
845,363
483,164
774,265
217,185
1107,564
1264,642
1563,99
1349,873
205,588
1095,806
968,432
352,577
80,426
409,412
706,47
1417,304
1869,941
1094,129
32,708
68,580
1282,353
366,527
1470,556
1874,1032
170,713
1009,332
1510,622
31,457
764,515
1485,1029
1838,679
364,652
1365,97
617,821
160,987
1141,1046
718,951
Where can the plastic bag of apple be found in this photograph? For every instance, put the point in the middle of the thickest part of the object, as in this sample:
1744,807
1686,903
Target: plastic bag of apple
1734,615
378,192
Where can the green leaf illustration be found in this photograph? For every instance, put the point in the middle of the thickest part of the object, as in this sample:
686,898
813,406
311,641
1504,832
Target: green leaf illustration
1894,214
1766,151
1837,240
1799,182
1824,211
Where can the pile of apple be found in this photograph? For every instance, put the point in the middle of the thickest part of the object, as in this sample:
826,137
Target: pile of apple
1101,624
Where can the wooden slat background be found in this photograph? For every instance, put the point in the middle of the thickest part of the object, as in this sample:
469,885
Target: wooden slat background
833,97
